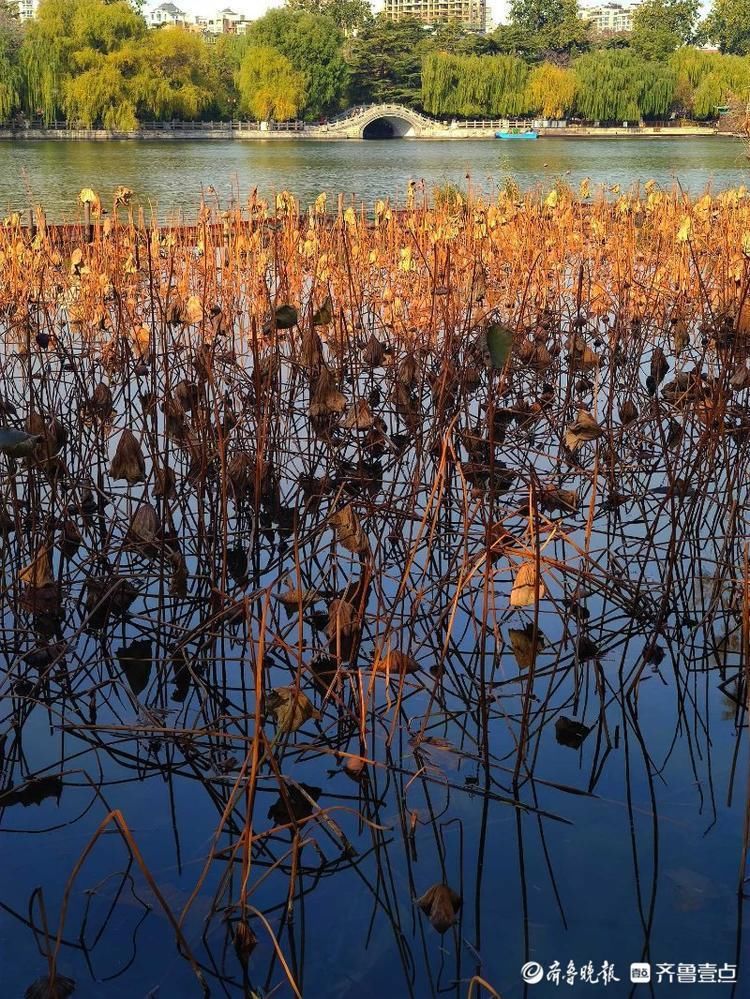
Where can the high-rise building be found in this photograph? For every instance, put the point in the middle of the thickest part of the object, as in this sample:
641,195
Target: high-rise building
610,16
471,14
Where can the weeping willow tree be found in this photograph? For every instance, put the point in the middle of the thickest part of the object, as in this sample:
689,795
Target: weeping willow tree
709,80
617,85
69,38
99,94
11,78
551,90
45,56
269,85
473,85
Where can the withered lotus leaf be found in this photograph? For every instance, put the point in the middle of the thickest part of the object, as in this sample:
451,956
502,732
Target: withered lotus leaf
101,401
583,428
291,708
164,482
659,365
48,988
128,462
628,412
145,527
295,805
245,942
526,585
326,400
342,620
359,417
522,643
39,572
294,597
441,906
18,443
565,500
374,352
349,533
311,355
397,662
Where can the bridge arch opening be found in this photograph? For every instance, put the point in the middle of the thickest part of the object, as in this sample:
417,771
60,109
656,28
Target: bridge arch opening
389,127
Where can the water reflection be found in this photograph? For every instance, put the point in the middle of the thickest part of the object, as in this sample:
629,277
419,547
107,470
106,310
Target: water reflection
172,175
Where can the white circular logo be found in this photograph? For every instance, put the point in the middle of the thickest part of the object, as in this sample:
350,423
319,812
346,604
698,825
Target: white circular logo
532,972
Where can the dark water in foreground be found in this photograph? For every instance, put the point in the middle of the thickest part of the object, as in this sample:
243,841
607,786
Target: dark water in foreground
624,846
171,175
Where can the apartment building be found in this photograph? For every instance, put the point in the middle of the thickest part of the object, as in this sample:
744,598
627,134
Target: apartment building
610,17
471,14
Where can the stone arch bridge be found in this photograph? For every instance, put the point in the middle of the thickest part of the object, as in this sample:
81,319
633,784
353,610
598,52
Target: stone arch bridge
381,121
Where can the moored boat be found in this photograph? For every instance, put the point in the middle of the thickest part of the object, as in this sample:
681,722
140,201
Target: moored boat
517,135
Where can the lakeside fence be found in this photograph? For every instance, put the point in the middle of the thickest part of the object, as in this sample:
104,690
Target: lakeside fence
240,125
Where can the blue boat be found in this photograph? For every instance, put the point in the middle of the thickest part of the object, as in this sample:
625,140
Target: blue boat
516,135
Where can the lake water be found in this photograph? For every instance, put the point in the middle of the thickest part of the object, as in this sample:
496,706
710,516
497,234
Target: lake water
617,841
171,175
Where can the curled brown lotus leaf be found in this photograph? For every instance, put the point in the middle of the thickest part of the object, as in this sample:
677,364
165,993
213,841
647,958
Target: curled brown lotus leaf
145,526
48,987
358,417
582,357
524,591
326,400
552,498
294,597
374,352
245,942
349,533
628,412
165,482
406,405
397,662
659,365
583,428
39,571
407,371
291,708
522,643
128,462
355,768
187,394
179,579
441,905
240,475
101,401
342,620
311,354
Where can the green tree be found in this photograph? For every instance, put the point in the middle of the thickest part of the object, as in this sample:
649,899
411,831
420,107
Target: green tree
474,86
551,90
313,44
349,15
175,75
385,61
11,77
661,26
269,85
728,26
72,37
550,27
619,85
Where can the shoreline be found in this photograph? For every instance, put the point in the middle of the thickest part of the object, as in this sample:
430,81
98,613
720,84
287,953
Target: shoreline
449,135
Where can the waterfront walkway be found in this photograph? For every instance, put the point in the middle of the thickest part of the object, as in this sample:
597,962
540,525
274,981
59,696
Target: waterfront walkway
371,121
